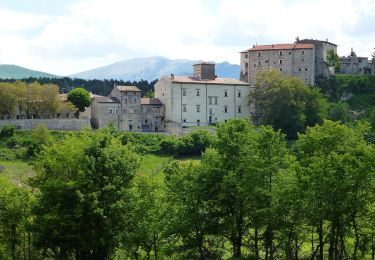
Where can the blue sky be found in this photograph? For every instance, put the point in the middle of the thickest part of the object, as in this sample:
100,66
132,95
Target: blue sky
69,36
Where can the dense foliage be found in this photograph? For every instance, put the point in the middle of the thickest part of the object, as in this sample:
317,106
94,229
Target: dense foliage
80,98
251,196
96,86
286,103
30,100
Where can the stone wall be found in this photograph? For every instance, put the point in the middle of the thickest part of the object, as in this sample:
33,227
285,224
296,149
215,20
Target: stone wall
52,124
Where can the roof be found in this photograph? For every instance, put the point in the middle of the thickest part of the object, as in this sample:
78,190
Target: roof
203,63
102,99
128,88
63,97
286,46
150,101
216,81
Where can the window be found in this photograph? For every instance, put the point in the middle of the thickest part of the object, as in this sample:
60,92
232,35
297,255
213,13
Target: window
305,69
246,56
125,101
198,92
303,52
225,93
281,62
116,110
210,100
258,54
184,92
280,53
183,108
225,109
281,69
135,101
215,100
145,121
238,94
184,120
246,65
299,69
110,111
302,60
255,64
198,122
259,63
198,108
239,109
210,111
290,53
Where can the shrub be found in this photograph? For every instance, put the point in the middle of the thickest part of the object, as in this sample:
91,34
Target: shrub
7,131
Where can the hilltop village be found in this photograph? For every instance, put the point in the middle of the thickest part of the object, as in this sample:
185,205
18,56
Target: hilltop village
202,99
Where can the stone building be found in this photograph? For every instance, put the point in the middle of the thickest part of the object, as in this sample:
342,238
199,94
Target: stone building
352,64
202,99
305,59
127,111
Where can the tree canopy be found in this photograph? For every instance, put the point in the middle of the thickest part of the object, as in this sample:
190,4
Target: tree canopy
286,103
80,98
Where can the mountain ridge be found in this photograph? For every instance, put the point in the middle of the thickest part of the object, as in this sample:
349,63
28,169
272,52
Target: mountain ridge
137,69
153,68
10,71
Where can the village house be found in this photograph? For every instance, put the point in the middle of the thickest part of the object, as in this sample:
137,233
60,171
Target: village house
305,59
127,111
202,99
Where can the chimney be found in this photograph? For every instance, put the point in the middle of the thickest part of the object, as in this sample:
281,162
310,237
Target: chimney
204,71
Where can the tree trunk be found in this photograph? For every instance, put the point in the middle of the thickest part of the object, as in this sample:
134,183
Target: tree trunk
321,243
237,237
332,238
256,247
296,247
356,235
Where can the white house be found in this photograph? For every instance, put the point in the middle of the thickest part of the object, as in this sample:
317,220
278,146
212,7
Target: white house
202,99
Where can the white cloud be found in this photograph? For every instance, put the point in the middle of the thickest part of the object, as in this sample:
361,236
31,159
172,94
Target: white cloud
94,33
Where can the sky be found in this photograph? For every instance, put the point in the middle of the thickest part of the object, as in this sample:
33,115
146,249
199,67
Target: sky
69,36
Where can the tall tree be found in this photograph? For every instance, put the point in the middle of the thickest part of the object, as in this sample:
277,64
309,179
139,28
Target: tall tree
84,185
337,168
286,103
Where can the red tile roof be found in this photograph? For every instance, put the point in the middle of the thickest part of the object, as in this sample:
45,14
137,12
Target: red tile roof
217,81
150,101
286,46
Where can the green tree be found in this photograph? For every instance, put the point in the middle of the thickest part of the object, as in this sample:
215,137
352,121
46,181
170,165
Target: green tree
82,205
338,112
144,235
333,60
336,175
15,204
286,103
80,98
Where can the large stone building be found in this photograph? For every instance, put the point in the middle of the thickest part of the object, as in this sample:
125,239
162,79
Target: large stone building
202,99
127,111
352,64
305,59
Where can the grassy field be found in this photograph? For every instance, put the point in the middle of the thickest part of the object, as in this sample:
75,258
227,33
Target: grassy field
17,170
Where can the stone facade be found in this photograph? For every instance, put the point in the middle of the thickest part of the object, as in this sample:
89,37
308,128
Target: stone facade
352,64
52,124
304,59
127,111
195,101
